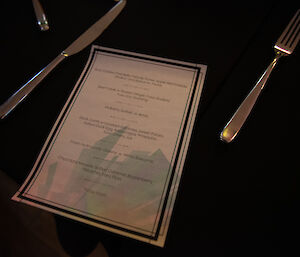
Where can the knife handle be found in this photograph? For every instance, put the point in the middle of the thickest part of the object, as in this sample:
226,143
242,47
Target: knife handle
21,94
40,15
239,117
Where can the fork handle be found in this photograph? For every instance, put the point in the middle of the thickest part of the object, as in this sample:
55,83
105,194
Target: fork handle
239,117
21,94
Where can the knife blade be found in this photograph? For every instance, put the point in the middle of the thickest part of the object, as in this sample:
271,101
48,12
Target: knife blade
79,44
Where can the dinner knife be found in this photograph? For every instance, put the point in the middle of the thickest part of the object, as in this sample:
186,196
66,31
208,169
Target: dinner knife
79,44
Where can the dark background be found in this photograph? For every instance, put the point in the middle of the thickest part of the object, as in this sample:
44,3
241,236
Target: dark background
238,199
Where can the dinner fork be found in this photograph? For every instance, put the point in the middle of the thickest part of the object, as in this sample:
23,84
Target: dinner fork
284,46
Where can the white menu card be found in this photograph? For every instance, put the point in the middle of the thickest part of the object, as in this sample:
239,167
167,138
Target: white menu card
115,155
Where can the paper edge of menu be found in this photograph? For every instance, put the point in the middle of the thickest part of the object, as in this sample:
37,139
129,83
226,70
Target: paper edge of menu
160,238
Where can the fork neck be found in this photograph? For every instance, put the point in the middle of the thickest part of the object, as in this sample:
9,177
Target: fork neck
263,79
278,55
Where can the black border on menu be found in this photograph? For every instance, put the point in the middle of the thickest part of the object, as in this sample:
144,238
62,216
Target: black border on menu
155,235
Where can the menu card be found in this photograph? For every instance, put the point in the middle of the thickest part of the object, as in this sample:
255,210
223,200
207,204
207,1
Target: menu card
115,155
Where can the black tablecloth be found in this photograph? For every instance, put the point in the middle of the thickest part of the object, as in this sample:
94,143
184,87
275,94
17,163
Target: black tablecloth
237,199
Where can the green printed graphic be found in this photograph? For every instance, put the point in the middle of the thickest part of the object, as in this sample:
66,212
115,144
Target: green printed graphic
43,189
127,191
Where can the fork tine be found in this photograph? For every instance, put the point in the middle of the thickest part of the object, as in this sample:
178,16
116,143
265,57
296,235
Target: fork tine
290,36
295,39
288,30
